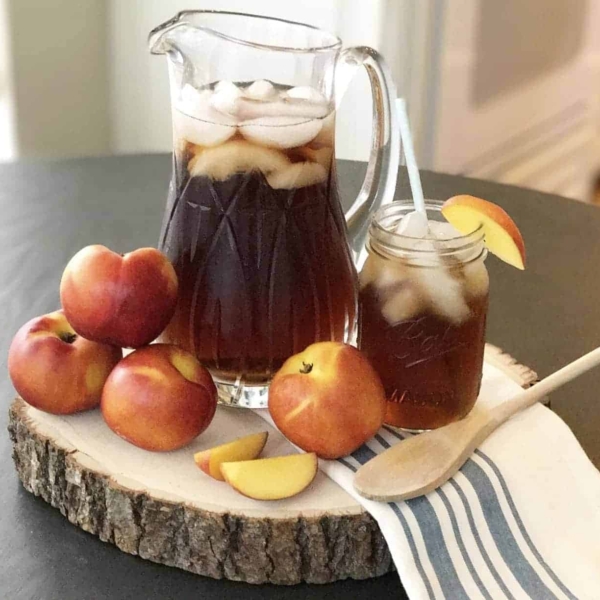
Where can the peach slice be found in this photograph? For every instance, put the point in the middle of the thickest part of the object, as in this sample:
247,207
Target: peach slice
244,448
271,478
502,236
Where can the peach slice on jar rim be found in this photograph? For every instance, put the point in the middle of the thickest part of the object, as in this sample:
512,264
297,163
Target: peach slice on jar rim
502,236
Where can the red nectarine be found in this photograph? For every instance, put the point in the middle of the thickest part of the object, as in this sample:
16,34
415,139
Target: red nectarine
56,370
124,300
159,398
327,399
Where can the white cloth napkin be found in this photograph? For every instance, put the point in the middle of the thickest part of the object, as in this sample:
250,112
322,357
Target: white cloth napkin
520,520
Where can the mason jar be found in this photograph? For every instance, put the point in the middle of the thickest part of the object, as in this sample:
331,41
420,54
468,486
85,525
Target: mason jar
423,304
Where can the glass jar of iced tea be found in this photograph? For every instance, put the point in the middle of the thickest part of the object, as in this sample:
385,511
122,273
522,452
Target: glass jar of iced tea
423,305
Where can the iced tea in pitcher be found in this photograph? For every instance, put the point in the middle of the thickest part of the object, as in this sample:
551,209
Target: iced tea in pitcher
255,229
423,306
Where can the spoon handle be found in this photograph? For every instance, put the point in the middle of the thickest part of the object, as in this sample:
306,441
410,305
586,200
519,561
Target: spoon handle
532,395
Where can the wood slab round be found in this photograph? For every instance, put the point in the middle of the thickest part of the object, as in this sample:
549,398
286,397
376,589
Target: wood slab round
162,508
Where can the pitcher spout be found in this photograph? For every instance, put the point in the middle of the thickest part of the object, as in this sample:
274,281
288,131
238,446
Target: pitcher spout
160,39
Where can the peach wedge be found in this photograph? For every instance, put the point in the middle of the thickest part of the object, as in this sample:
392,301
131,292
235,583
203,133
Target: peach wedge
502,236
271,478
248,447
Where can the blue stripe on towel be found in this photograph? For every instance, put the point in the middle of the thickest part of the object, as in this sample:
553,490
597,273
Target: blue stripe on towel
455,528
521,526
394,432
413,547
461,544
524,573
382,441
407,533
431,529
478,541
472,524
347,464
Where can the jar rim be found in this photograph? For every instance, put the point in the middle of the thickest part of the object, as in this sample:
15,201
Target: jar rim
398,245
401,207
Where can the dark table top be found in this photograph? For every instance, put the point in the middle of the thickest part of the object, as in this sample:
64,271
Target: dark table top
545,317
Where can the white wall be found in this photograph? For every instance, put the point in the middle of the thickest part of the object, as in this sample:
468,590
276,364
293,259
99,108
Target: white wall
526,114
59,76
139,103
7,123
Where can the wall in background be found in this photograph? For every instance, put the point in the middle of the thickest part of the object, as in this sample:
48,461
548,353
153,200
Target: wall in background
518,92
57,54
504,91
7,120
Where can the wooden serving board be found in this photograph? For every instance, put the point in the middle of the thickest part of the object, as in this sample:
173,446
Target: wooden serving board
162,508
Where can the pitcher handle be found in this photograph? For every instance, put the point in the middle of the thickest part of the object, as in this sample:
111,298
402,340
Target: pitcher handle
382,171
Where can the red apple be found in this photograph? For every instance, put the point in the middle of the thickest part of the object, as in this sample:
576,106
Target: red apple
56,370
327,399
159,398
125,300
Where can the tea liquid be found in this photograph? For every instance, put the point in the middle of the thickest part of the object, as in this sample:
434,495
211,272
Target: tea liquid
430,368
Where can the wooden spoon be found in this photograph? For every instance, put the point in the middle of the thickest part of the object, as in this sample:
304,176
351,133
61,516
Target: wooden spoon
420,464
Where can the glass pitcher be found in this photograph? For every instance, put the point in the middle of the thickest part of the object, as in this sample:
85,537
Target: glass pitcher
253,223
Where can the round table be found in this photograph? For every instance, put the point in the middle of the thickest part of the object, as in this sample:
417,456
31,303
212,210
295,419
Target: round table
544,317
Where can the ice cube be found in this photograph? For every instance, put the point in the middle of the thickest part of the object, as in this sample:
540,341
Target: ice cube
197,103
261,90
392,273
443,293
237,156
196,121
281,132
297,175
193,99
413,224
443,231
305,92
226,98
199,131
227,87
398,294
326,136
403,304
476,278
249,109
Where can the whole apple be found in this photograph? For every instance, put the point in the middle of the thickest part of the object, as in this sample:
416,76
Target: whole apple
327,399
159,398
125,300
56,370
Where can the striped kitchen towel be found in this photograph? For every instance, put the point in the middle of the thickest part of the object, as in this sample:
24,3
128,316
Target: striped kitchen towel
520,520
